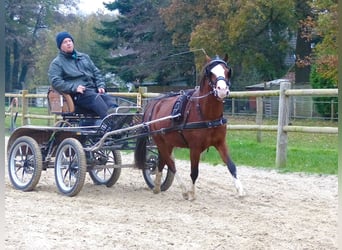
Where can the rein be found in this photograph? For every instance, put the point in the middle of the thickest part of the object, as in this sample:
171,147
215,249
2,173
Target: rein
192,125
205,124
206,95
202,96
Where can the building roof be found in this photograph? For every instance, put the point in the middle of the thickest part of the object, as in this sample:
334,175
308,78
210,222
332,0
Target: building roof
274,84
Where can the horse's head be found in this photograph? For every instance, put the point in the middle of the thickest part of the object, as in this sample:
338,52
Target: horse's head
218,73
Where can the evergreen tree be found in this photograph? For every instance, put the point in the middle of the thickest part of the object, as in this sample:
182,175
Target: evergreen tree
141,47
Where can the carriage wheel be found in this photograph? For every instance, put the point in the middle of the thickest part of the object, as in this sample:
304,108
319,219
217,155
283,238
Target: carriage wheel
149,172
106,174
70,167
25,163
62,123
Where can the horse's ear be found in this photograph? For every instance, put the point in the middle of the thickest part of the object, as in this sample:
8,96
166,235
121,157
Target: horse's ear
226,58
207,58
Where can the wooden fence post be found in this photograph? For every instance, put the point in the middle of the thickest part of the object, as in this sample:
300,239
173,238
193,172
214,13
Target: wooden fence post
283,120
24,100
233,106
141,91
332,111
259,114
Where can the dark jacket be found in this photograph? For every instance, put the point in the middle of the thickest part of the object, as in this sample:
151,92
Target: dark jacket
68,71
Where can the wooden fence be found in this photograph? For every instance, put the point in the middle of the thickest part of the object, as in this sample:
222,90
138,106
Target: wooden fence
282,128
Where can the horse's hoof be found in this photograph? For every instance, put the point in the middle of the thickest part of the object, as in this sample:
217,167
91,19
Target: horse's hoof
241,192
192,196
239,188
156,190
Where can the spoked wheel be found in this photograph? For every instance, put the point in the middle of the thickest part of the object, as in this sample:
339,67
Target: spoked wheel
149,172
104,172
70,167
62,123
25,163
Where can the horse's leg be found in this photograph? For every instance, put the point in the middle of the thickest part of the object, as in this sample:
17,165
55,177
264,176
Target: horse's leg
237,182
166,158
223,150
182,186
194,159
157,180
159,173
170,162
171,165
164,153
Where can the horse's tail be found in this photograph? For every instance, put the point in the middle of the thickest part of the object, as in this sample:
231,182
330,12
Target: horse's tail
140,152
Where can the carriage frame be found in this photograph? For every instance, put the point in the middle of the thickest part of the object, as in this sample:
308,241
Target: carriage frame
79,143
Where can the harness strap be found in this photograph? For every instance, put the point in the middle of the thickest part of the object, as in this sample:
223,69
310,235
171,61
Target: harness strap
192,125
206,124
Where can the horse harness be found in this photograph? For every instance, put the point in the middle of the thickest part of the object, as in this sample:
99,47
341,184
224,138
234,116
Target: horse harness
208,69
180,114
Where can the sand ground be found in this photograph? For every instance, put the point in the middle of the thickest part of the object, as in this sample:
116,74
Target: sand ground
280,211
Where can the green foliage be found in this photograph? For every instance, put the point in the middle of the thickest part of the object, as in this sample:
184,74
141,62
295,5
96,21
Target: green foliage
156,39
141,47
255,34
323,104
325,29
85,37
248,76
25,23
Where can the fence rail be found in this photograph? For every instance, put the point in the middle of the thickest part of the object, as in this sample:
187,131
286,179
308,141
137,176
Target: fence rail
282,128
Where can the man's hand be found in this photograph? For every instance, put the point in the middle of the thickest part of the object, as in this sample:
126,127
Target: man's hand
80,89
101,90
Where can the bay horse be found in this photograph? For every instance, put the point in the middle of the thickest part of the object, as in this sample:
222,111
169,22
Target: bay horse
202,125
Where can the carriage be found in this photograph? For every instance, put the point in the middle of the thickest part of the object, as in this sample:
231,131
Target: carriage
81,143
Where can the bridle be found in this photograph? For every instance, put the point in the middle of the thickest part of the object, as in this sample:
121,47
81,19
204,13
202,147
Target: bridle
208,74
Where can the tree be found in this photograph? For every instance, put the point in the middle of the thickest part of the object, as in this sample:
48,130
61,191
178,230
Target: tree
323,104
255,34
303,42
318,29
324,62
141,48
24,22
85,37
326,51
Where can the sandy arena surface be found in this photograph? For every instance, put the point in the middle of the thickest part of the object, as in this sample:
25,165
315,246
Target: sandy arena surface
280,211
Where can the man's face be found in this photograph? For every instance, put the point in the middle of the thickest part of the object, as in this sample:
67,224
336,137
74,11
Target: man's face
67,45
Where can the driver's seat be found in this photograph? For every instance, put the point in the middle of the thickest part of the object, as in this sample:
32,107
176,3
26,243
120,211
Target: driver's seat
60,103
63,104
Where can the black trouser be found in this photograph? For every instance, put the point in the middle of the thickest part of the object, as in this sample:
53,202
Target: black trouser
98,103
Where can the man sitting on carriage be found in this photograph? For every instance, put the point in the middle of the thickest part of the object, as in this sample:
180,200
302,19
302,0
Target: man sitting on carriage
74,73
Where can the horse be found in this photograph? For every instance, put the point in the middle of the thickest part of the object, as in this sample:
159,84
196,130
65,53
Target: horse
200,125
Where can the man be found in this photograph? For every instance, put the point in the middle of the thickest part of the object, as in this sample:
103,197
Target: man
75,73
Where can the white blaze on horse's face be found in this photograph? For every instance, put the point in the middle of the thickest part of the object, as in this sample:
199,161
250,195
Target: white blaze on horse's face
221,88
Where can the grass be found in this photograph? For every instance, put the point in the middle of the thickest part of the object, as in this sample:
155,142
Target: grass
309,153
33,110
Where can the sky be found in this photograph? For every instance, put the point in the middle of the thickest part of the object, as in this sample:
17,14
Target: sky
91,6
